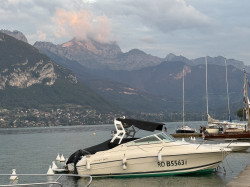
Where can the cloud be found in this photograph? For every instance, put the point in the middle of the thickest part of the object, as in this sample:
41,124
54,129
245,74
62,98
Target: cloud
95,18
82,24
56,21
167,15
188,27
148,39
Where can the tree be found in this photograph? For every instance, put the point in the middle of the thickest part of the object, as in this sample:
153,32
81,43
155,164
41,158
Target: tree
241,113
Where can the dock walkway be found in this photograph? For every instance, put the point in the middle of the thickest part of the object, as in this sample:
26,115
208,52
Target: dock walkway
241,180
186,135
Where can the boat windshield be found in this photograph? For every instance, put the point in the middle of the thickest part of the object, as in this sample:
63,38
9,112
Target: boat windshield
153,139
165,137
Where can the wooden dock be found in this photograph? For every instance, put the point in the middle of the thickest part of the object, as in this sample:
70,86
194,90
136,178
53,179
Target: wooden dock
241,180
186,135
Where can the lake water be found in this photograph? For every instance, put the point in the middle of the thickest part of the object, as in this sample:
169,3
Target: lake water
31,151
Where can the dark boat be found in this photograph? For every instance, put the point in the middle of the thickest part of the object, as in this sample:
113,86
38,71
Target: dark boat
185,129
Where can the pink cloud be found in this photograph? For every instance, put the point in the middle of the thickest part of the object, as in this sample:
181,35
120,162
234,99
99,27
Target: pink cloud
82,25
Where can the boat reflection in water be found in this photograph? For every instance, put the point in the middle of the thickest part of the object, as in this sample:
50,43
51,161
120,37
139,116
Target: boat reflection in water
155,155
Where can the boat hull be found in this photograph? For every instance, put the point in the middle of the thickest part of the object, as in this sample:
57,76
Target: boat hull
234,146
151,166
239,148
229,135
212,130
186,135
184,131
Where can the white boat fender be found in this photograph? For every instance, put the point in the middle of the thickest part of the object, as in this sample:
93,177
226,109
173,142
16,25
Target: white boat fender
194,139
88,163
183,139
58,157
62,159
66,160
13,176
191,138
124,160
54,166
159,157
124,166
124,163
50,171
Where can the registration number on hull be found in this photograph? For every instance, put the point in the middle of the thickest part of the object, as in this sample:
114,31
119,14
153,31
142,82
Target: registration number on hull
172,163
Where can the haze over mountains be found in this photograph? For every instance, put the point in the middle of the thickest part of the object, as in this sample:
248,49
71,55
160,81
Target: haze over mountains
134,82
95,55
142,82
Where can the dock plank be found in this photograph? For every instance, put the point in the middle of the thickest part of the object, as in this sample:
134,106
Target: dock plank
241,180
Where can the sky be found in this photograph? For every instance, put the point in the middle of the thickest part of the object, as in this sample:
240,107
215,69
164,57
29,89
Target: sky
191,28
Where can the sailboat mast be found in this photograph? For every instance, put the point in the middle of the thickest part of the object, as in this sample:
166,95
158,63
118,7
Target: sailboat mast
183,104
229,116
206,86
246,98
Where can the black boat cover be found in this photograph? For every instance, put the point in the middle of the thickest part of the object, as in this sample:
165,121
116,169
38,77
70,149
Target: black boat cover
76,156
144,125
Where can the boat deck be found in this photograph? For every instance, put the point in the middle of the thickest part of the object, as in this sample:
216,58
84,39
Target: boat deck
242,179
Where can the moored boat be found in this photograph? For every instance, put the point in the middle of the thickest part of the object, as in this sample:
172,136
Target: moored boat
125,132
237,131
228,135
185,129
234,146
158,154
155,155
212,129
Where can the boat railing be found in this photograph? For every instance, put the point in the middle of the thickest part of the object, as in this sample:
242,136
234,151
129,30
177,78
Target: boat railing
52,183
34,184
201,144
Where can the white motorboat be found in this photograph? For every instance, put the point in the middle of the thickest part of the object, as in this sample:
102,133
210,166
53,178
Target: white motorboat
234,146
154,155
125,132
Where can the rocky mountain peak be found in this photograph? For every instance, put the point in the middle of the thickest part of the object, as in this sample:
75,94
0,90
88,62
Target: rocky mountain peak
170,57
110,49
23,66
23,76
173,57
96,55
136,52
219,60
16,34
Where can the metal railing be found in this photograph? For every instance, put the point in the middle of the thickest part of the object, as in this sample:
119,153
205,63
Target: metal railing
45,183
34,184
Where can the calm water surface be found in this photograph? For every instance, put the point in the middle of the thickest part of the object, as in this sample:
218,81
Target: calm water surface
31,150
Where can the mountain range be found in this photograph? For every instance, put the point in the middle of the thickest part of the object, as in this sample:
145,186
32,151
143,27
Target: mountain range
29,79
133,83
141,82
95,55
